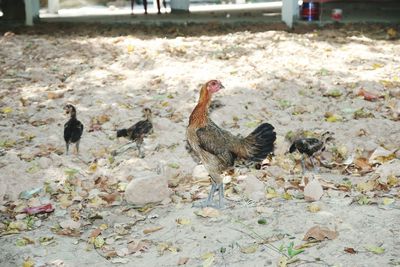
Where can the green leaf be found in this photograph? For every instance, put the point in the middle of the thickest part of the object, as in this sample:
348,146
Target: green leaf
293,252
284,104
375,249
333,93
99,242
262,221
70,172
363,200
173,165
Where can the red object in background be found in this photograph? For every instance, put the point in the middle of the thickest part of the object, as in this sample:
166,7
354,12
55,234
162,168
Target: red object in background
46,208
337,14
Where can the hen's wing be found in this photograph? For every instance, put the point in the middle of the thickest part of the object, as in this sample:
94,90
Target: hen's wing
218,142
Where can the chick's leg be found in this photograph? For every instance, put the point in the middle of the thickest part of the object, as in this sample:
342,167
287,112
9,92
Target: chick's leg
221,196
66,148
77,147
303,166
139,146
314,167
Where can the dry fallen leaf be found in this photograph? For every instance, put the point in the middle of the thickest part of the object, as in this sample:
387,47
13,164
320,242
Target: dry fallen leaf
320,233
314,208
381,155
207,212
208,258
249,249
152,230
363,164
350,250
367,95
96,232
183,221
366,186
313,191
70,224
183,261
138,246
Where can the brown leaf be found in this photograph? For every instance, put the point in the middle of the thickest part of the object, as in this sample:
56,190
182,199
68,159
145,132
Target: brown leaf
138,246
152,230
320,233
95,233
183,261
350,250
110,198
207,212
363,164
69,232
367,95
54,95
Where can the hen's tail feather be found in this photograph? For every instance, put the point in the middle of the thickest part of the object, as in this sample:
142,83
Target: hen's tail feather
122,133
260,142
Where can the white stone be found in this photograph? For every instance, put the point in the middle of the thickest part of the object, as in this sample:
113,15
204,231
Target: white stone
200,172
149,189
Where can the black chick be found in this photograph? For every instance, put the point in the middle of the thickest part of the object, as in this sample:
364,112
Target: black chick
73,128
310,147
138,131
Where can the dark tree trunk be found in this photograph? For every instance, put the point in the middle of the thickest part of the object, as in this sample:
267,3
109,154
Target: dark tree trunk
13,9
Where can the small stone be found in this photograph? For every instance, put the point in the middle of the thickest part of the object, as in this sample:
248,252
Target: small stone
200,172
150,189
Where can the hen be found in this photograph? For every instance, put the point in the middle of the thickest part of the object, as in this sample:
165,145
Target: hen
138,131
310,147
73,128
218,149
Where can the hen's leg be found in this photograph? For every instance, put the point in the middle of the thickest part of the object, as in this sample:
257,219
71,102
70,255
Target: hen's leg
210,197
158,7
145,6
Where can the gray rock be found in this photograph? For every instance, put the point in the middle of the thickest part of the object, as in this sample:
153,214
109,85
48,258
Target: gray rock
148,189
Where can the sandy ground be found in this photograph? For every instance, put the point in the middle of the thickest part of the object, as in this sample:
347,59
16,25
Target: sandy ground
312,80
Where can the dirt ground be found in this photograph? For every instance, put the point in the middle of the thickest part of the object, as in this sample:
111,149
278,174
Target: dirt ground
304,82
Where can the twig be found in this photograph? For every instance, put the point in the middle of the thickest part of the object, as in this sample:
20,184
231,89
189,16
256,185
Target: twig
263,239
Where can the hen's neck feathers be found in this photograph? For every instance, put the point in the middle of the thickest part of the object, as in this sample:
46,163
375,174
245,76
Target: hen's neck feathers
199,116
73,115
